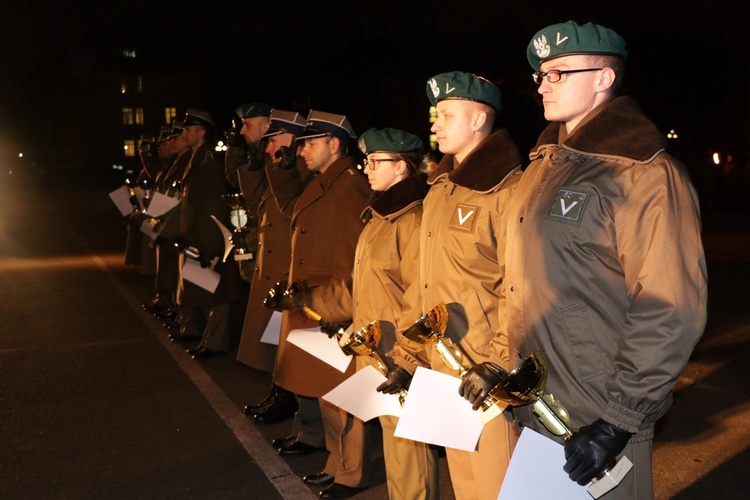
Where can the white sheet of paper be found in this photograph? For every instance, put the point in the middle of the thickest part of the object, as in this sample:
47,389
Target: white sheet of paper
319,345
357,395
206,278
161,204
271,333
536,471
147,228
435,413
121,198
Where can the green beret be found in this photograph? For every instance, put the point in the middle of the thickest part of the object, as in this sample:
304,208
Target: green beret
460,85
253,109
570,39
389,140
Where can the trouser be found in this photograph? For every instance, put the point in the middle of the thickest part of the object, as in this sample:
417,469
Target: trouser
210,324
411,468
348,442
479,474
307,424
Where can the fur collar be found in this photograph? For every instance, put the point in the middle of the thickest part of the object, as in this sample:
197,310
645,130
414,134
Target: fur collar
485,167
400,196
619,129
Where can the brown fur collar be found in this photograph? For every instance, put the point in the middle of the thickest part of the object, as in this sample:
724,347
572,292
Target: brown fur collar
485,167
399,196
619,129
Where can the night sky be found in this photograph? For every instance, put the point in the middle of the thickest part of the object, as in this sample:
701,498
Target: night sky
688,64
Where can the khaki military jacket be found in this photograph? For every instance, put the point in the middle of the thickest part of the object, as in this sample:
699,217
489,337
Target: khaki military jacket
386,263
605,270
462,251
325,226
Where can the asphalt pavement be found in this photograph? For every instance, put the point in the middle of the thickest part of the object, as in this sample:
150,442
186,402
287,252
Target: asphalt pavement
96,402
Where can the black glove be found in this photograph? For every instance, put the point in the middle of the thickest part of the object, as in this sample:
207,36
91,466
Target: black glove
590,450
330,328
238,240
295,297
258,155
273,297
478,381
287,157
398,379
233,135
205,260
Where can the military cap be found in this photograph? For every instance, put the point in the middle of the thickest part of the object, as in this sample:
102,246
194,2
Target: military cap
463,86
197,117
176,128
285,122
389,140
566,39
148,139
321,124
253,109
165,133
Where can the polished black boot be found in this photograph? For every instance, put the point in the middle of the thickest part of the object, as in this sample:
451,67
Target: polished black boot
264,403
282,407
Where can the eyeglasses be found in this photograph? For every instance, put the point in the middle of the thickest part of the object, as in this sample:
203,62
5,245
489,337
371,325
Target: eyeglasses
555,75
373,163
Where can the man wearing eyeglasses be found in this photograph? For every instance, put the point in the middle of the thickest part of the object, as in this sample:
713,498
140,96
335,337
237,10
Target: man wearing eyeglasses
605,267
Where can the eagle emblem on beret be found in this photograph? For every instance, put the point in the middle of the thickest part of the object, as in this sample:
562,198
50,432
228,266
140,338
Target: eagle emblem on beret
542,47
434,87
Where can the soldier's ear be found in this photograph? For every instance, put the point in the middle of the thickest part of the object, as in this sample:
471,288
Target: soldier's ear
606,79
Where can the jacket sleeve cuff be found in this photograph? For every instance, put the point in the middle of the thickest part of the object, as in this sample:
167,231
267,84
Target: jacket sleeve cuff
622,417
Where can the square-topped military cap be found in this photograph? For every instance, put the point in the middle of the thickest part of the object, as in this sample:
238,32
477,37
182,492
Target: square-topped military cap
197,117
570,38
285,122
321,124
464,86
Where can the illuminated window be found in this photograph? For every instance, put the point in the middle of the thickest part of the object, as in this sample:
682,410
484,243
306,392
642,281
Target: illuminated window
139,84
127,116
433,142
139,116
130,54
129,147
433,114
124,85
169,115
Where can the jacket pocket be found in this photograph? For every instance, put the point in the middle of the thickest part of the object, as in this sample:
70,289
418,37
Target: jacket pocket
582,341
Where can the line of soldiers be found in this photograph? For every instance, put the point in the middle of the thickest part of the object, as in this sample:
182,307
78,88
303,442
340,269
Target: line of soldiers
590,254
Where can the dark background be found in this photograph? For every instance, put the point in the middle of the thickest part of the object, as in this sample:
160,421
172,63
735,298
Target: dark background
688,64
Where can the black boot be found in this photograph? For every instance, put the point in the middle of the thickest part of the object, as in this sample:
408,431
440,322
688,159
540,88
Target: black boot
282,407
264,403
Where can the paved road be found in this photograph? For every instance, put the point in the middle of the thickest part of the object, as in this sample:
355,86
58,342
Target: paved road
95,402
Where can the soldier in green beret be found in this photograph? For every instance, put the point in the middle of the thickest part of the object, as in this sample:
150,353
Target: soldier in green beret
461,255
605,268
386,269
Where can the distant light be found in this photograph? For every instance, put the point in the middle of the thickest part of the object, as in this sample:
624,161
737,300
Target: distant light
220,143
220,147
117,167
20,155
433,114
672,134
716,158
